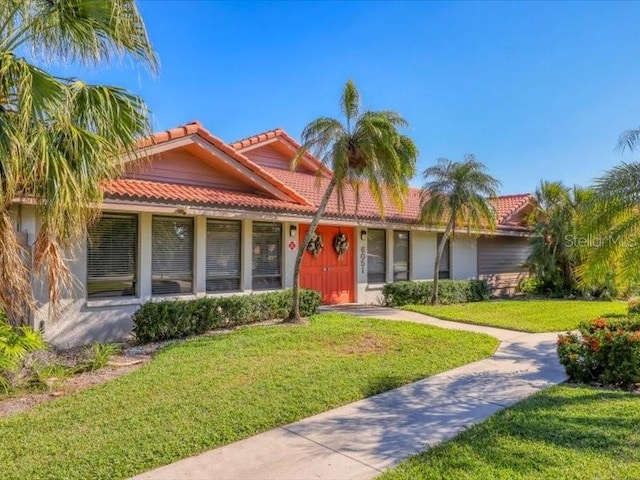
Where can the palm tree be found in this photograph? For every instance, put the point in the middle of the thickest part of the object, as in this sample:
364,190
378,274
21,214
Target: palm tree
614,223
557,221
367,149
457,194
60,137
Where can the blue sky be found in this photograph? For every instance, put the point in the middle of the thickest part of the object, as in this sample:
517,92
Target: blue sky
534,90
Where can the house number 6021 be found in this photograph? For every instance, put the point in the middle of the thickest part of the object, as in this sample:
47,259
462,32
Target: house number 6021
363,258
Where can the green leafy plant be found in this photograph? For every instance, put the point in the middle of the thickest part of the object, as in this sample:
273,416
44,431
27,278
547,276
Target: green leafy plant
606,350
49,376
97,355
15,343
156,321
397,294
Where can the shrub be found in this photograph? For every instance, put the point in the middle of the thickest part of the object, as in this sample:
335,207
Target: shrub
530,285
606,350
15,343
156,321
397,294
634,306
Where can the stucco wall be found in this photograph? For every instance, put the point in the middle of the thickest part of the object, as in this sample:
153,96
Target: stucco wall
464,257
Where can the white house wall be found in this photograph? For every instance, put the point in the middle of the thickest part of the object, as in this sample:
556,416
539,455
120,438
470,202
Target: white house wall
422,248
81,321
464,257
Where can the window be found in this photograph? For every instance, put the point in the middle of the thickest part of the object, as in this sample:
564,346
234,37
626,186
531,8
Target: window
444,272
171,255
400,255
112,256
223,255
267,255
376,256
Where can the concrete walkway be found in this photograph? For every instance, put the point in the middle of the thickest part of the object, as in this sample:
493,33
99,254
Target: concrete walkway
362,439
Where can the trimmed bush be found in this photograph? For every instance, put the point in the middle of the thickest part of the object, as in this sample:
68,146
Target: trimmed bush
397,294
606,350
156,321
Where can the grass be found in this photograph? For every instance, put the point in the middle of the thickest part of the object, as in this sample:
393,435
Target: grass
212,391
564,432
533,316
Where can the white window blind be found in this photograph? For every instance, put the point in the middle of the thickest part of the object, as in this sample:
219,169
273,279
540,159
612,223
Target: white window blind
223,255
112,254
401,255
172,255
444,271
267,255
376,256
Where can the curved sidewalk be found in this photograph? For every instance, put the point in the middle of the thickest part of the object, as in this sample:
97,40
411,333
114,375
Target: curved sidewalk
362,439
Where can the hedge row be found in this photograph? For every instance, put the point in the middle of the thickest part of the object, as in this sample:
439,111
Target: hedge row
156,321
606,350
397,294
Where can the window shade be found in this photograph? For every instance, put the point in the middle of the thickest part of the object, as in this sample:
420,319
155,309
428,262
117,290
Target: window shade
172,255
112,248
401,255
376,256
443,272
267,255
223,255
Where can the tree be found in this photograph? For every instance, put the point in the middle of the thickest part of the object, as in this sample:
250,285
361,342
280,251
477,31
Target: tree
60,137
557,221
613,227
457,194
366,149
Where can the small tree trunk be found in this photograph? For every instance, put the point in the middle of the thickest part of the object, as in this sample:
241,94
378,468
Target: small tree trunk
295,317
436,267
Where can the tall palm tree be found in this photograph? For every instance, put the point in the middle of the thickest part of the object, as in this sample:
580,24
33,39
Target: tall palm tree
60,137
364,149
457,194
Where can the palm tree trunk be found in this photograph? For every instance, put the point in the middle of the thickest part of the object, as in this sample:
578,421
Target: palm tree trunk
436,267
295,317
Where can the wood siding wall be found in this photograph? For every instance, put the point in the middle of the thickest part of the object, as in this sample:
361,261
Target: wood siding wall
501,262
183,167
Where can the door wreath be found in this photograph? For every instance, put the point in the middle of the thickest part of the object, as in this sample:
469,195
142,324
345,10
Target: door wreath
341,244
315,245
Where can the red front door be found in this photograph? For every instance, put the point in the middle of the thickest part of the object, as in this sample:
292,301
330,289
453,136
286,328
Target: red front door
327,273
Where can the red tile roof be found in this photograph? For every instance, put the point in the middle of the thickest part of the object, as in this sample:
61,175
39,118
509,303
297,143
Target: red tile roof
280,134
173,192
507,205
304,189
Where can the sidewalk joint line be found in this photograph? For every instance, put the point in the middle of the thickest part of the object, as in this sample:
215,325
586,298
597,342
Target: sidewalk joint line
332,449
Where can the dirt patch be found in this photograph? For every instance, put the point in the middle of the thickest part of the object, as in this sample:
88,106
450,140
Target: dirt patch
118,365
364,345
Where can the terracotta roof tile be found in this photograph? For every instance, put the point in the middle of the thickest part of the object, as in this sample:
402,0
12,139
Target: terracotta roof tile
304,189
173,192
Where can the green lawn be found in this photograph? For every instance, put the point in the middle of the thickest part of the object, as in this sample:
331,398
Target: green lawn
562,433
525,315
212,391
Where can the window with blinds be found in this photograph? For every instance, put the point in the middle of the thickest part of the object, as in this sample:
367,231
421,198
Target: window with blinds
112,256
267,255
376,256
444,271
223,255
171,255
400,255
